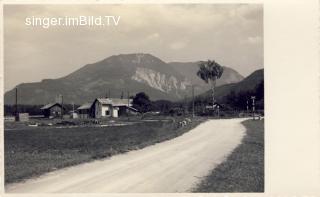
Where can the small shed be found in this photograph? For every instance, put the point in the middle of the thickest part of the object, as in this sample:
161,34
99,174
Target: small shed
52,110
23,117
84,110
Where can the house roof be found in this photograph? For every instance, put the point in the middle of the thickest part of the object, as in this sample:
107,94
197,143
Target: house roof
104,100
48,106
85,106
133,109
121,102
115,101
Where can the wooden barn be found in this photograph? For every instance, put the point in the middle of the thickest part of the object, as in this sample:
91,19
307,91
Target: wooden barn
52,110
84,110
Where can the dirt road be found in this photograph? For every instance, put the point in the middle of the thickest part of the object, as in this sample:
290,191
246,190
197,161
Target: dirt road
176,165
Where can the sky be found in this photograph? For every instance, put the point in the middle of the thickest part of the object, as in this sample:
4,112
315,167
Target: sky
230,34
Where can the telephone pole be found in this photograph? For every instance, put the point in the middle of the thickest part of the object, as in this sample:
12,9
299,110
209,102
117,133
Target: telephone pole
121,95
16,105
61,106
253,107
128,99
128,105
192,101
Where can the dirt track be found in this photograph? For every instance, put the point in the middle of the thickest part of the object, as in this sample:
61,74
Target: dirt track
176,165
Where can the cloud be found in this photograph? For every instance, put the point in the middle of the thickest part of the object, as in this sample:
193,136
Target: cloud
224,32
153,36
177,45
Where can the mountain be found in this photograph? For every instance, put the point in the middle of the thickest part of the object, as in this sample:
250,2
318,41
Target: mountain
249,83
188,70
116,74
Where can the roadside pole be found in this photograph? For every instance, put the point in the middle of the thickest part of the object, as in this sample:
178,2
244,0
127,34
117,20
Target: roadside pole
253,107
192,101
16,113
128,106
61,106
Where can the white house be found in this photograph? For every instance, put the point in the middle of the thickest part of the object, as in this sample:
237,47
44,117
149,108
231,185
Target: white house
111,107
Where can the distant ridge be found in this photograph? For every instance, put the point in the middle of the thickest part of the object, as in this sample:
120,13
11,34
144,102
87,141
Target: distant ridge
247,84
116,74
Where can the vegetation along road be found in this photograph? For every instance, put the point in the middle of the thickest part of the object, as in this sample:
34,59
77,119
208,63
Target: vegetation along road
176,165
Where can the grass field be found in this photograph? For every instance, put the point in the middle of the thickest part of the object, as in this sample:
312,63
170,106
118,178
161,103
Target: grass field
243,171
34,151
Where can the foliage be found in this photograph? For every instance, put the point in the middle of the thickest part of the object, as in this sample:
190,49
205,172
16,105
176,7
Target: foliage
142,102
209,70
163,106
239,100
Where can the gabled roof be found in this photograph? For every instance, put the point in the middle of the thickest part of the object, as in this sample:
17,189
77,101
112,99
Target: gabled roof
48,106
133,109
121,102
115,101
85,106
104,100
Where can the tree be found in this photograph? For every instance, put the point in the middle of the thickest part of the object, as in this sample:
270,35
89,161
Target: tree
210,71
142,102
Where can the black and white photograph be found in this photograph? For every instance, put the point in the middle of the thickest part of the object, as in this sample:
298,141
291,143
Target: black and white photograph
134,98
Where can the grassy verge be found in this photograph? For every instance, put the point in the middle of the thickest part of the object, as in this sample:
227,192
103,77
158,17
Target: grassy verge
243,171
34,151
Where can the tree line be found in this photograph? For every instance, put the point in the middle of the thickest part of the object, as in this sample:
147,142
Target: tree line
10,110
209,71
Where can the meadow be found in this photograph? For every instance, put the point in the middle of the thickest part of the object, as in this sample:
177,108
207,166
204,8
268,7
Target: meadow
243,170
30,152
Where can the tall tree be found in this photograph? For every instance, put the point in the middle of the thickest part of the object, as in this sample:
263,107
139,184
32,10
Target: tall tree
142,102
210,71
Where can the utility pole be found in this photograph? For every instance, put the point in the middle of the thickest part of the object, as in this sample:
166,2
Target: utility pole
16,105
128,105
192,101
61,106
253,107
247,106
128,99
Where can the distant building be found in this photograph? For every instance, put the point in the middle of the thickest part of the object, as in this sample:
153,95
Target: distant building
84,110
52,110
23,117
73,114
111,107
215,106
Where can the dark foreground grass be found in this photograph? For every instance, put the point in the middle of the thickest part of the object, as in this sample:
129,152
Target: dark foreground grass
243,171
32,152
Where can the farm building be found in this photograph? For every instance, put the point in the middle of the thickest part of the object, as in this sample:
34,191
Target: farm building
52,110
84,110
111,107
216,105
